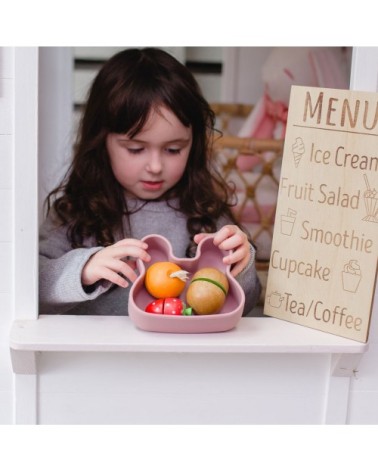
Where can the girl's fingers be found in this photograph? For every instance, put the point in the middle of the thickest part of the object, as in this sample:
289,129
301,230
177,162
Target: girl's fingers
231,238
238,257
115,271
238,262
233,242
108,263
123,268
119,252
235,256
225,233
131,242
200,236
237,269
113,277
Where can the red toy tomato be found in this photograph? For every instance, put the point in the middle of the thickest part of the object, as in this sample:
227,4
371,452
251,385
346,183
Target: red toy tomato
168,306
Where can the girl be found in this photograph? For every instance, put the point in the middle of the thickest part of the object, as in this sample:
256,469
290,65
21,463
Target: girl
141,166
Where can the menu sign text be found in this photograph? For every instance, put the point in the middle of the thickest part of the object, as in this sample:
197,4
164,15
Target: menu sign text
323,263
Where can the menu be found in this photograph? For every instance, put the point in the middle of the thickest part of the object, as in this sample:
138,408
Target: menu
323,263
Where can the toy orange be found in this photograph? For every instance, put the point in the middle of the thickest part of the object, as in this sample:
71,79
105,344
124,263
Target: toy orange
165,279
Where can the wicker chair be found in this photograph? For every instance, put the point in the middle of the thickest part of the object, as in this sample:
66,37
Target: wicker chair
253,167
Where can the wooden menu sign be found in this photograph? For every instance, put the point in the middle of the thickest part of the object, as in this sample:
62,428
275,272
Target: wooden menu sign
323,261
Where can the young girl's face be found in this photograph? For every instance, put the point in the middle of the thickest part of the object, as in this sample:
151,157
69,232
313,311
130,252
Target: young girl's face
153,161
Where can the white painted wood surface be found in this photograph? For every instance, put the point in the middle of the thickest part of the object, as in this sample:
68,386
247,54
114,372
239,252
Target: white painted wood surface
6,229
155,378
70,333
181,388
25,172
25,221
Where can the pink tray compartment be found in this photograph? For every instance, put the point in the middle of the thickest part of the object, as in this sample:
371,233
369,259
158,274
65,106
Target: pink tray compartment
207,255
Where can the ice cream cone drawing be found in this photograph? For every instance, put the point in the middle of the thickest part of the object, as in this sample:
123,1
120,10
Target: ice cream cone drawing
287,222
371,202
351,276
298,149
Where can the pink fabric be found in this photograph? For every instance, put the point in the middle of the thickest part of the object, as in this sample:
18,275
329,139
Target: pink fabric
266,117
251,215
245,163
328,70
316,67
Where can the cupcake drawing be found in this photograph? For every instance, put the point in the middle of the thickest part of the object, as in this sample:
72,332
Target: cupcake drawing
351,276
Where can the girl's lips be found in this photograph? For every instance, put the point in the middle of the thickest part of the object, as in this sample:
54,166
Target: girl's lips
151,185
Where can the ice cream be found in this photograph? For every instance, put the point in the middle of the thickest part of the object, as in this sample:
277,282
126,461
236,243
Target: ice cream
298,149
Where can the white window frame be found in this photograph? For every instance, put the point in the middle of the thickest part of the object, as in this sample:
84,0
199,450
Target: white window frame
25,183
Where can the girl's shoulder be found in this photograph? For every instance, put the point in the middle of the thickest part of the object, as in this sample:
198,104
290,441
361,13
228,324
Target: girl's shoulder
51,223
53,240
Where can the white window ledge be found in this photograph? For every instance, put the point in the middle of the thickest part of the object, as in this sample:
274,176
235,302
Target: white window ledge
69,333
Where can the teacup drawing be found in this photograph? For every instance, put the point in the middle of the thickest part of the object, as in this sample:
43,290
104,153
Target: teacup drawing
275,299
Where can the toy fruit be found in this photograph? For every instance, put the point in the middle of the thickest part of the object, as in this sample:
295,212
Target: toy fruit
207,291
165,279
168,306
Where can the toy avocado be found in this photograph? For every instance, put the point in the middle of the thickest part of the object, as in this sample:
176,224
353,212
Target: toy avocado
207,291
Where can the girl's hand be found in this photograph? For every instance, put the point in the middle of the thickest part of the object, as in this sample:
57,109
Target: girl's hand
231,237
108,263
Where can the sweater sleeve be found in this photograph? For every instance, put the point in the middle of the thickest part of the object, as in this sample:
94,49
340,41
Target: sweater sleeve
60,268
250,283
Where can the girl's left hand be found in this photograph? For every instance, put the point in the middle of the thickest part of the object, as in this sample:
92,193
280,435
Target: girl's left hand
231,237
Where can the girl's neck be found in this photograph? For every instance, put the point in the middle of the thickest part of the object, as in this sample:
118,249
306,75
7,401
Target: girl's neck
135,203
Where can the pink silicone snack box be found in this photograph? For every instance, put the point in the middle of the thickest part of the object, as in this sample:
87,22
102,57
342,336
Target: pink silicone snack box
207,255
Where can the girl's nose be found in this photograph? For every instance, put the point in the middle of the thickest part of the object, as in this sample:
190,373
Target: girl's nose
154,164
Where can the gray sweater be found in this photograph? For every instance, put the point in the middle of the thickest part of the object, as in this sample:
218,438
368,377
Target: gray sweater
60,266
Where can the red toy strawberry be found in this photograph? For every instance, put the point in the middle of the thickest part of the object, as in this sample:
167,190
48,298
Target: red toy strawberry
168,306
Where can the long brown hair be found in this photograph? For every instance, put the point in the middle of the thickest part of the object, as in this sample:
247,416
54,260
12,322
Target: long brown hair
130,84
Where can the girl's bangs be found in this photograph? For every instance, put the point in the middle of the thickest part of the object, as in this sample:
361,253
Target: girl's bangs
130,113
129,116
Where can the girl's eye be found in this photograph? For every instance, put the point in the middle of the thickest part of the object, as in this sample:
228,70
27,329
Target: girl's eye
174,150
135,150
